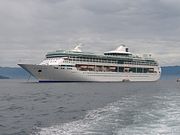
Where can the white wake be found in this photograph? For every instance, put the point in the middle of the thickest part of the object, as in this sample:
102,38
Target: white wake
124,117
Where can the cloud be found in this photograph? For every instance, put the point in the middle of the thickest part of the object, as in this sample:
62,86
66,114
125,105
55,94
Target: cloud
28,29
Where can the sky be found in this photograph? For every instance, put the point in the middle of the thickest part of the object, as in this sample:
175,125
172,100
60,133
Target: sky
31,28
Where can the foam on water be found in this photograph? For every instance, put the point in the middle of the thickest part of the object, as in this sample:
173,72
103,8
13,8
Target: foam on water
99,121
126,116
163,119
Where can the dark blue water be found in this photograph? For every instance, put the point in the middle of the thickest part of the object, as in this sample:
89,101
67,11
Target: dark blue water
90,108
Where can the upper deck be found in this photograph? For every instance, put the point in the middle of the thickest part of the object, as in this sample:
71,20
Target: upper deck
120,56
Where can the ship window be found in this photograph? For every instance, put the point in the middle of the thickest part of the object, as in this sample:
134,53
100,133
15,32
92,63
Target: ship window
39,70
126,49
121,69
132,70
139,70
145,70
126,69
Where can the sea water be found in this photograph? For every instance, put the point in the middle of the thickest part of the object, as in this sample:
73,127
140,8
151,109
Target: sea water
129,108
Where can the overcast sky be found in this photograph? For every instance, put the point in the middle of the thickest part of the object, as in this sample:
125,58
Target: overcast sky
31,28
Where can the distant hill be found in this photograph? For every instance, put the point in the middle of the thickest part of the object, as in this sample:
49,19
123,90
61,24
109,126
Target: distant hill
19,73
13,72
171,70
3,77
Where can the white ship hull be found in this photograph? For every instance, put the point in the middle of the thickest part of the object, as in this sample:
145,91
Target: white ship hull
49,73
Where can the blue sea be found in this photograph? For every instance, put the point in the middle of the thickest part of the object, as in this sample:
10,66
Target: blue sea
126,108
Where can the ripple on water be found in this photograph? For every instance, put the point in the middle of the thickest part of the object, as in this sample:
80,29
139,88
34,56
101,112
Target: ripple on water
126,116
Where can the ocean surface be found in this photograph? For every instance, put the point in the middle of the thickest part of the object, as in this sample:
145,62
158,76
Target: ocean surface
129,108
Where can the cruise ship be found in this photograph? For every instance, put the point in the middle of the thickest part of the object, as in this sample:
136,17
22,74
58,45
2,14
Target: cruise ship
74,65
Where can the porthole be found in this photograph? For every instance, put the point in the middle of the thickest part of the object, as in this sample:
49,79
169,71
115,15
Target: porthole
39,71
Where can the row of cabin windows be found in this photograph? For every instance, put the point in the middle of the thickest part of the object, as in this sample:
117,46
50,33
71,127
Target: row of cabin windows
135,70
99,68
83,59
117,54
92,60
141,63
110,61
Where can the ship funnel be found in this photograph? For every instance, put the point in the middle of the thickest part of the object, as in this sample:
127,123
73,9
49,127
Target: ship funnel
122,49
